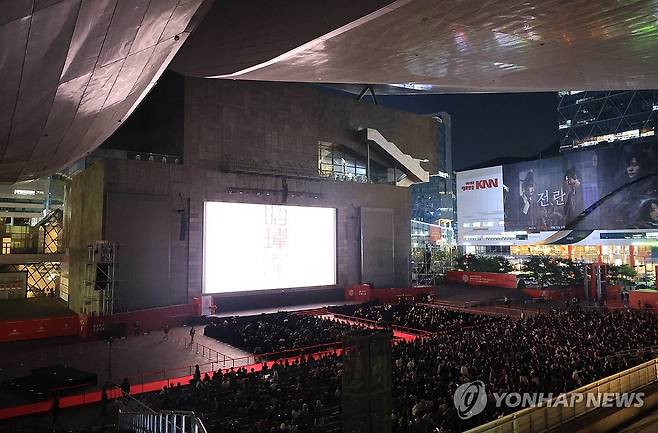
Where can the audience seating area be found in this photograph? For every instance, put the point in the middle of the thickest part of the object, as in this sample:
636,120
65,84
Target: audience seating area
414,316
300,396
552,352
267,333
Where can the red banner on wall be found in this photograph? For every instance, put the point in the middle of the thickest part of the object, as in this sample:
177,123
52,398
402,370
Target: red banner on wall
364,292
359,293
643,299
31,329
506,281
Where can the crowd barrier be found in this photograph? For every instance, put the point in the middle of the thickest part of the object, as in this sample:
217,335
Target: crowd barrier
544,418
161,422
375,324
148,320
488,311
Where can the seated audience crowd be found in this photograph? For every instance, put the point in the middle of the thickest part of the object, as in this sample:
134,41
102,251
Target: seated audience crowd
549,353
276,332
554,352
293,397
414,316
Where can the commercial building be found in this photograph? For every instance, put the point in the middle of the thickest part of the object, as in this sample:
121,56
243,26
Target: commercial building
435,200
602,118
599,205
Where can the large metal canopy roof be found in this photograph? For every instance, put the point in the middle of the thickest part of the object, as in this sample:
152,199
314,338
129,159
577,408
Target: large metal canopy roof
72,70
440,45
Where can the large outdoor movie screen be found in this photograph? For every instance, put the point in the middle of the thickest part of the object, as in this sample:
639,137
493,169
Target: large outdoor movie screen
261,247
614,188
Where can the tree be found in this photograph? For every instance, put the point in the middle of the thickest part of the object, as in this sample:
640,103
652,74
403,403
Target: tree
553,272
477,263
624,273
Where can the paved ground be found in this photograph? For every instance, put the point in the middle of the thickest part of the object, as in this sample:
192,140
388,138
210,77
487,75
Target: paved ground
144,358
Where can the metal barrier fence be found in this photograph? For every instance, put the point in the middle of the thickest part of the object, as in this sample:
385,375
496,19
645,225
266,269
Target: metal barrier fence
546,417
161,422
375,324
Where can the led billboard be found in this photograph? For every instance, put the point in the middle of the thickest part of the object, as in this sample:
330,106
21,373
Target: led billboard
480,202
614,188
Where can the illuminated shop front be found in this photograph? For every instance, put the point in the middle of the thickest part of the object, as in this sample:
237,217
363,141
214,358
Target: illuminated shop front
642,257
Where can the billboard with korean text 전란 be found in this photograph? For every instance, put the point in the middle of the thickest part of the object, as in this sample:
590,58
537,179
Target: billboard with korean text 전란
612,188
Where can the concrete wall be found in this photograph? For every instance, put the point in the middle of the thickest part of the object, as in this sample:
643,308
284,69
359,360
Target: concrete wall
143,200
83,224
282,123
273,124
346,197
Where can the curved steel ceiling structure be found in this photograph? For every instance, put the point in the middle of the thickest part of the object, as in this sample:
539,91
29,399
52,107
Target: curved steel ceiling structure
72,70
453,45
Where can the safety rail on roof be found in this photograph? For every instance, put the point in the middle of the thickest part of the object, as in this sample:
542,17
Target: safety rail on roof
161,422
547,417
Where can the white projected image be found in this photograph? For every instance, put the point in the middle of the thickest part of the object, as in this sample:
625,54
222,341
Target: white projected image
259,247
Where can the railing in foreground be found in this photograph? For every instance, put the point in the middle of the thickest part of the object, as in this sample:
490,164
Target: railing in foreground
544,418
161,422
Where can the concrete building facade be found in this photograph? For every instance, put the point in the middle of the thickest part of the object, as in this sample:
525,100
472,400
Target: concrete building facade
240,141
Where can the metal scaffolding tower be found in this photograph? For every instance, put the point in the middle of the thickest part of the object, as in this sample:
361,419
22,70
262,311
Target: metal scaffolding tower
101,264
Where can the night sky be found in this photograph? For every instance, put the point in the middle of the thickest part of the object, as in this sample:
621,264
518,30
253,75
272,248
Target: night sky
490,126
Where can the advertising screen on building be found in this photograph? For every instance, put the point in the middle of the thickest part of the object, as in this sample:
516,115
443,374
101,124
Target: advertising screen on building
614,188
480,202
260,247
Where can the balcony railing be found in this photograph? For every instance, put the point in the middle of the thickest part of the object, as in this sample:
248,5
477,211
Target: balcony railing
549,417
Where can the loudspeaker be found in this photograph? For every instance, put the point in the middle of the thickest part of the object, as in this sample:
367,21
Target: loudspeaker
284,190
102,272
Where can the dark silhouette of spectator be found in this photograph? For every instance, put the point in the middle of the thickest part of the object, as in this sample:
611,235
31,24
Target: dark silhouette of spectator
197,374
104,399
166,332
125,386
136,326
54,411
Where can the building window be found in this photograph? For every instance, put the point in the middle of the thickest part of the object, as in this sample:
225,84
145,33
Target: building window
6,245
334,162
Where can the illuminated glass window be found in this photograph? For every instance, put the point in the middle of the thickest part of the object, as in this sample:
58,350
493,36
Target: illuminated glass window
335,162
6,245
